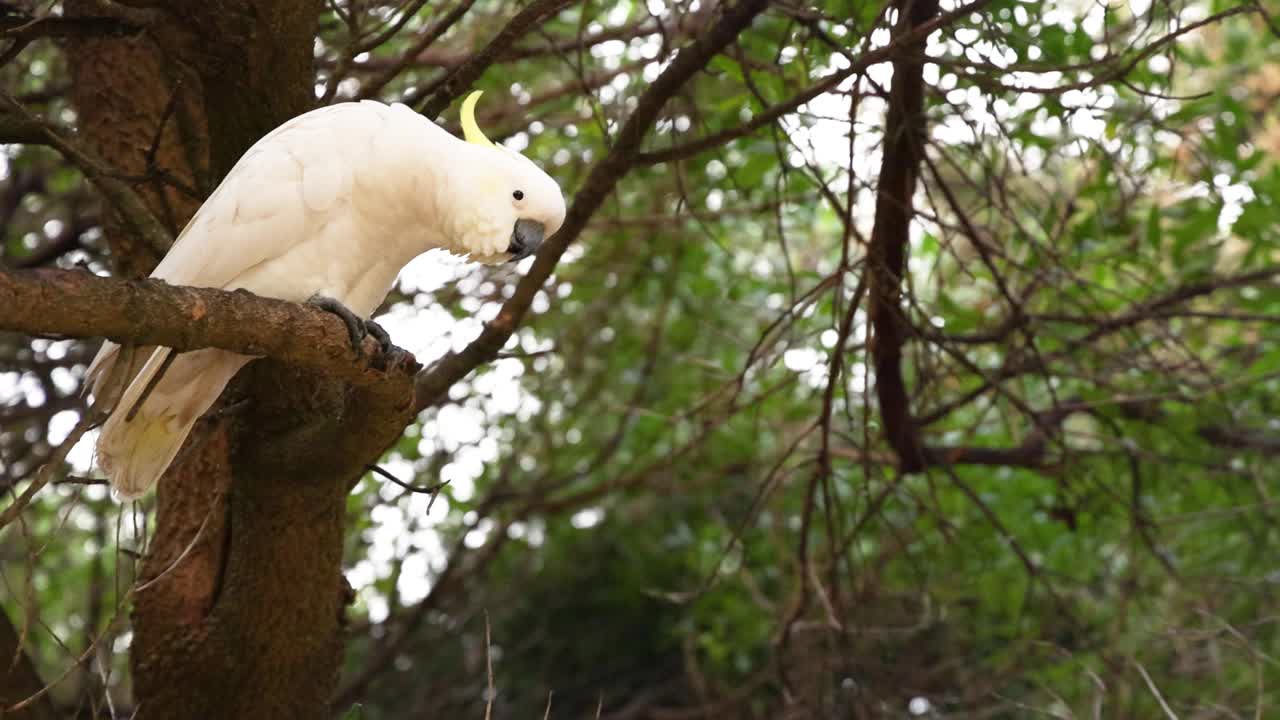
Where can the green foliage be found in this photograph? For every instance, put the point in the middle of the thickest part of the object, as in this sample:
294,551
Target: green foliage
648,520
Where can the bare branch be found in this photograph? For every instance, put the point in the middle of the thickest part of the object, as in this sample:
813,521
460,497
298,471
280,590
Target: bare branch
133,209
108,18
151,312
432,34
129,15
915,35
531,16
52,465
20,131
887,253
599,184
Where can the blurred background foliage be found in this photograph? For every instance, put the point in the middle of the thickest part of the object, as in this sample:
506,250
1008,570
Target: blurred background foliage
662,502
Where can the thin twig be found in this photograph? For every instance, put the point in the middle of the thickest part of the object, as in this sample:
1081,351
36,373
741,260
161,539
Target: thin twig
1168,711
431,490
87,421
135,212
488,663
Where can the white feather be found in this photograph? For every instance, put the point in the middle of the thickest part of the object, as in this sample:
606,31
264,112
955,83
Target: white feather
333,202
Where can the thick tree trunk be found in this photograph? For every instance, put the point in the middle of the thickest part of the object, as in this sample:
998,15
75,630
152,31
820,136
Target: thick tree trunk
242,593
248,624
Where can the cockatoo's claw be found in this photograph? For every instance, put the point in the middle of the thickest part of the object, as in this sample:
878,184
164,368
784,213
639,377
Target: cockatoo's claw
356,329
379,334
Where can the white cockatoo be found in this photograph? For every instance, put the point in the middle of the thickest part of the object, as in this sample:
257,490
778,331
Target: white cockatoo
326,208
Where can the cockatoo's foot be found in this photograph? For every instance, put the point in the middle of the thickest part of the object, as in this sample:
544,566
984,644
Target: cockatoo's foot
379,334
357,327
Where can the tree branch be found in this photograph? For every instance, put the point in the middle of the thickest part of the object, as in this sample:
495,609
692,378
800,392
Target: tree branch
132,208
599,184
915,36
18,130
372,87
887,252
25,28
150,312
427,55
111,18
18,677
1100,327
533,15
102,17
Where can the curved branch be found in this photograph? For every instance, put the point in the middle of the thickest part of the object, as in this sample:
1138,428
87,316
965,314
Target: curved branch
599,184
78,304
914,36
533,15
132,208
904,134
435,32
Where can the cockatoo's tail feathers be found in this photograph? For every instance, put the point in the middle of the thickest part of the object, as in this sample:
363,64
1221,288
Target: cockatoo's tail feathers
147,376
134,453
148,426
101,366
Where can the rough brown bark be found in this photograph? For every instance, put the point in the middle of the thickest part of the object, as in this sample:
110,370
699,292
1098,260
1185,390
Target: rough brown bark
73,303
246,624
124,90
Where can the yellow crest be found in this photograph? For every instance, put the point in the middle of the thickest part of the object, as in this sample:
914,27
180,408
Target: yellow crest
470,129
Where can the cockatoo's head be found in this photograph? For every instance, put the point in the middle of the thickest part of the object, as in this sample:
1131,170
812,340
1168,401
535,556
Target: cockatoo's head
511,205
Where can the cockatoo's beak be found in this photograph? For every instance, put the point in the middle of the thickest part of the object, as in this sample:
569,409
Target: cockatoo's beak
526,238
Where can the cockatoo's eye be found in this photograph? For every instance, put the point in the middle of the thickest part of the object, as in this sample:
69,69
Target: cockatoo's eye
519,194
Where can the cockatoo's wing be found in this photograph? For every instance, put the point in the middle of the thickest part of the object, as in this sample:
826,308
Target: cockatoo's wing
288,181
283,193
283,189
